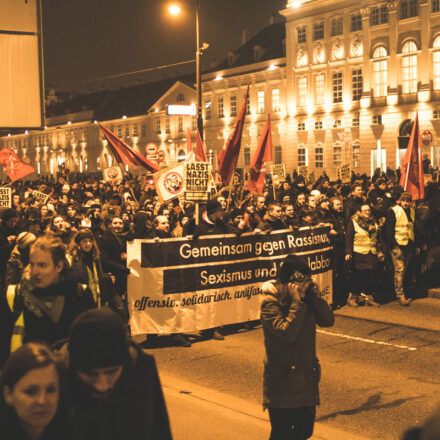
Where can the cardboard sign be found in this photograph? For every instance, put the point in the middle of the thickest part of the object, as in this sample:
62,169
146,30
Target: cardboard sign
278,172
197,179
40,197
170,182
113,174
238,176
312,177
304,171
344,173
5,197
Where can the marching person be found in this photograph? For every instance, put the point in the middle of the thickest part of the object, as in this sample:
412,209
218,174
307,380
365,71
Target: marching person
363,248
399,234
114,388
290,309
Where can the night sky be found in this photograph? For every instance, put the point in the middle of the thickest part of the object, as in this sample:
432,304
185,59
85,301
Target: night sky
85,39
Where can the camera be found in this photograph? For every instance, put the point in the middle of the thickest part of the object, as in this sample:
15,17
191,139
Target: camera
299,277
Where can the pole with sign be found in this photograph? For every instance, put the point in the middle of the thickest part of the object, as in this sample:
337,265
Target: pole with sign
197,179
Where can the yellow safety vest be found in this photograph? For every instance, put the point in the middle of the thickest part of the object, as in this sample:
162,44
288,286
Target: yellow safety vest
404,228
18,330
362,242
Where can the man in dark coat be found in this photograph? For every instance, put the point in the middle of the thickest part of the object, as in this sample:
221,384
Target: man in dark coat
354,201
290,309
113,385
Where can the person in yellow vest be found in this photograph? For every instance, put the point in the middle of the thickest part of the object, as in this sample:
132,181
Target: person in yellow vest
399,235
363,248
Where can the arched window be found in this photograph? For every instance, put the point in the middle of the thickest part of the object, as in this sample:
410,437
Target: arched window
380,71
337,154
278,154
409,67
302,155
180,97
319,156
436,64
356,155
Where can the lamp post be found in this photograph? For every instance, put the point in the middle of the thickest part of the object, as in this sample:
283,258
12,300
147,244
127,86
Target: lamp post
175,10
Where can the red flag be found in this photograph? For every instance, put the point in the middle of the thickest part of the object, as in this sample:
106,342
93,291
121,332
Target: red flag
15,168
411,178
200,151
257,170
188,142
124,154
228,157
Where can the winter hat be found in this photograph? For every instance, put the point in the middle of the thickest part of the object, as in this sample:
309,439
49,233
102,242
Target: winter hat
25,239
291,264
83,234
380,181
315,193
9,213
406,196
97,340
66,187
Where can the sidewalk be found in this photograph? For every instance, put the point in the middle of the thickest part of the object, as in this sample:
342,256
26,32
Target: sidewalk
422,314
199,413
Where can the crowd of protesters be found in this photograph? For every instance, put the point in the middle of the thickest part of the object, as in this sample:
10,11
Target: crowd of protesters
63,277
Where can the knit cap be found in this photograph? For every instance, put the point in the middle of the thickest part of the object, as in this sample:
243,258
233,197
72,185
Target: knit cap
25,239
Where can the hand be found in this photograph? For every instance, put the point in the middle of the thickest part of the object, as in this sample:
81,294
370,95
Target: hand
11,239
113,279
348,257
381,256
123,256
333,232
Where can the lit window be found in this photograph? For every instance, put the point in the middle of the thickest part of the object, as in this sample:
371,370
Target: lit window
208,110
180,97
135,130
233,103
158,130
435,6
337,123
143,130
220,107
319,89
275,100
380,71
337,87
248,105
247,156
436,64
302,91
379,15
337,27
318,31
302,156
377,119
337,155
409,67
356,76
436,114
356,155
194,123
167,126
356,22
319,156
408,9
301,34
318,125
278,154
260,101
301,126
119,131
180,124
355,121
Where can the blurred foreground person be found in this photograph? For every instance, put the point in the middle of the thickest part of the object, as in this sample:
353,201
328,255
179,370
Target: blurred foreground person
30,396
429,431
290,309
115,391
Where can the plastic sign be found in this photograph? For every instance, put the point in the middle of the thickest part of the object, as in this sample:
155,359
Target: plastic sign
278,172
181,110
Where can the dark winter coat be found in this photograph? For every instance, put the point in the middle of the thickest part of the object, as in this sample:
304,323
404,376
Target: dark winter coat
291,368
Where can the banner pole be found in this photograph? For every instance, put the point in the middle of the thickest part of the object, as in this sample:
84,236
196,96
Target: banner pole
196,213
231,185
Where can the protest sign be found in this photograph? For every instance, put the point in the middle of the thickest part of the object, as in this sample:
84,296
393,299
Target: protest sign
170,182
5,197
40,197
183,285
304,171
344,173
197,179
113,174
312,177
278,172
238,176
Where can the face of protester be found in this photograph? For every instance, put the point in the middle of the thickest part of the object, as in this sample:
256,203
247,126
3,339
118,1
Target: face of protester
44,210
286,199
162,223
125,217
275,212
289,211
71,211
58,223
12,222
238,218
44,271
222,202
86,245
312,201
64,199
357,192
100,381
34,398
117,225
405,204
301,199
250,208
337,205
15,200
365,211
260,203
325,204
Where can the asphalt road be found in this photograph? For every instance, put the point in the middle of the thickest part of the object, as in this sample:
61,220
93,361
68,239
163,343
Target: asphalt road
378,379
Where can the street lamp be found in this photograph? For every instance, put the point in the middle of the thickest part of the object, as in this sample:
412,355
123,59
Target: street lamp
175,10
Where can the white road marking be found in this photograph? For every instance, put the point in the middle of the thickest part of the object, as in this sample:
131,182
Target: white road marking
369,341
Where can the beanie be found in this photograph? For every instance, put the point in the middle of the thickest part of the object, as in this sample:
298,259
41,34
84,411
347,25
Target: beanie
97,340
83,234
25,239
406,196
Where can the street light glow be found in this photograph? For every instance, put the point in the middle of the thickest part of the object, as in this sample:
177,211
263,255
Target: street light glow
174,9
296,4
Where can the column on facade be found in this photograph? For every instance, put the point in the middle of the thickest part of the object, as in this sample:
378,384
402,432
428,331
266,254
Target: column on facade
424,73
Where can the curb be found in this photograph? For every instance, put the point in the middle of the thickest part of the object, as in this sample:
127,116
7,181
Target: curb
434,293
248,410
